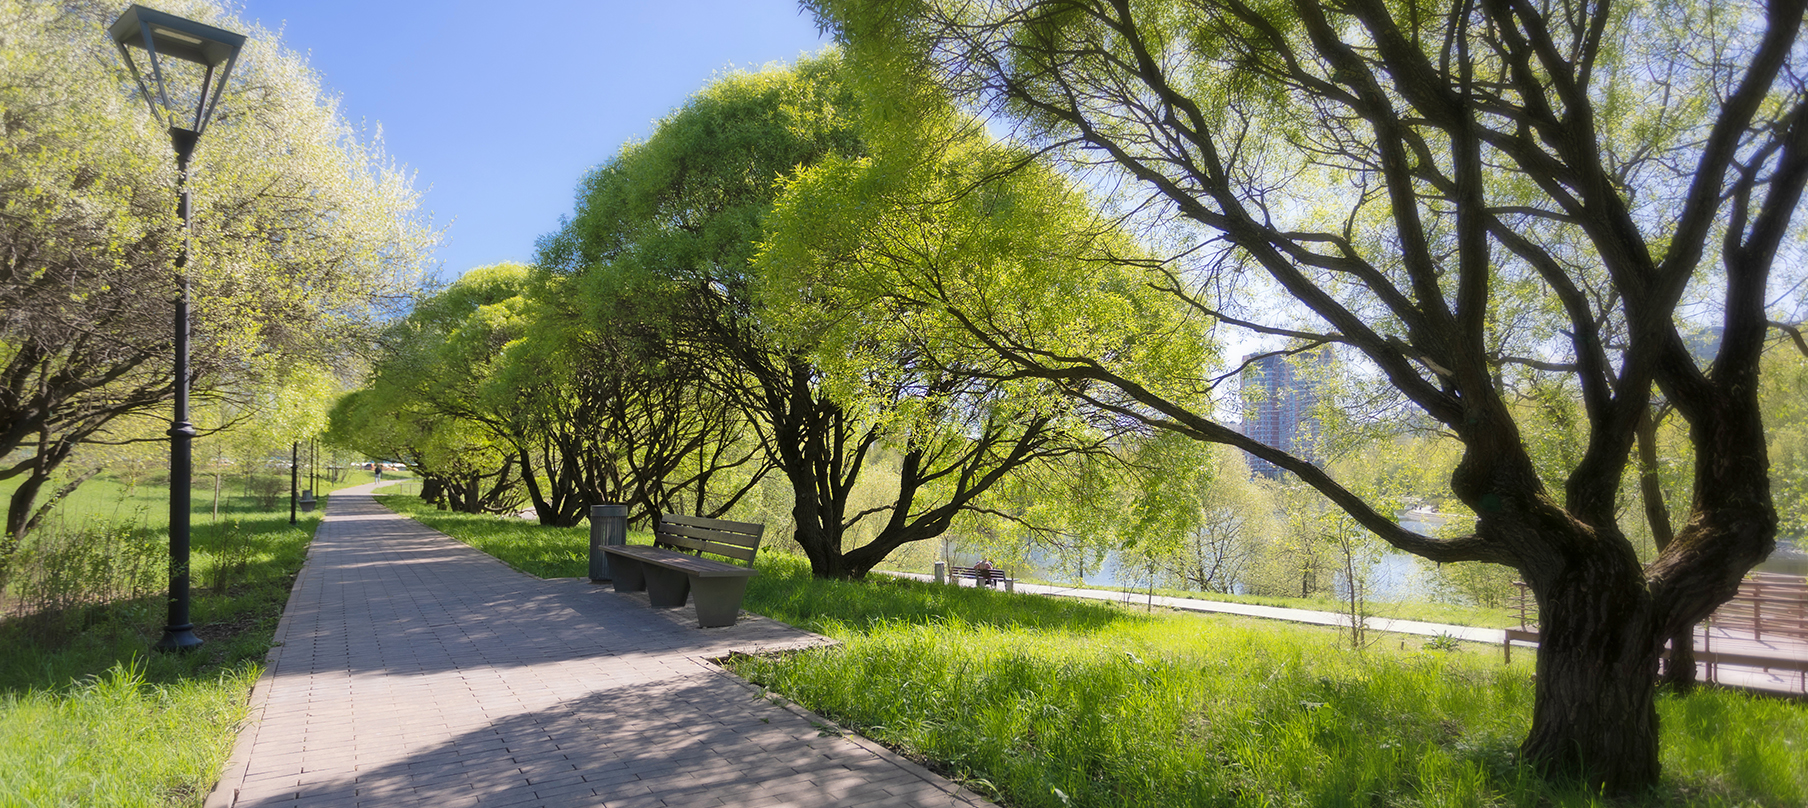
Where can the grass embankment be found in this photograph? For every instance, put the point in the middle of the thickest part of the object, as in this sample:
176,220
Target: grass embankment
88,714
1042,702
1054,702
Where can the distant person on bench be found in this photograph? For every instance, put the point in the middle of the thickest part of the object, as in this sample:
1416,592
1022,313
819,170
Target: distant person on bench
982,572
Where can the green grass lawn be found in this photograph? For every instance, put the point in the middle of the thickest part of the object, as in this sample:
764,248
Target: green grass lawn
89,715
1045,702
1056,702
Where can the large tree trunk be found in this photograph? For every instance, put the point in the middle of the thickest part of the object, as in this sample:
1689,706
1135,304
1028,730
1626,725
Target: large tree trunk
19,506
1679,666
1595,715
819,534
21,515
562,506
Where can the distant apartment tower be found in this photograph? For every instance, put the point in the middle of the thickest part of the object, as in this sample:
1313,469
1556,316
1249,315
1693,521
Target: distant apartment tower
1279,394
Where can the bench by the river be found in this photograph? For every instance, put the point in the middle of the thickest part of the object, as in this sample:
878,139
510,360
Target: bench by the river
674,569
981,577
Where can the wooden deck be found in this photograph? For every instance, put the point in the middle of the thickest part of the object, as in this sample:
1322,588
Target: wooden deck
1758,640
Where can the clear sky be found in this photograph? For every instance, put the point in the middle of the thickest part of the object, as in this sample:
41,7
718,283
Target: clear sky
500,107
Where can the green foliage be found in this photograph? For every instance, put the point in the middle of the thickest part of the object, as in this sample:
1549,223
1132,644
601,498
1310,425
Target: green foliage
428,402
1785,397
62,573
115,739
1105,706
685,206
304,234
87,715
860,260
904,247
677,240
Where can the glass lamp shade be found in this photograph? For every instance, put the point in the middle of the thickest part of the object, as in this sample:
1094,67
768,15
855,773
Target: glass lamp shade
158,36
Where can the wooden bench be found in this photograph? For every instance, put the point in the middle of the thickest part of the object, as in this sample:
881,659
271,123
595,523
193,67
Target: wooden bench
991,577
674,569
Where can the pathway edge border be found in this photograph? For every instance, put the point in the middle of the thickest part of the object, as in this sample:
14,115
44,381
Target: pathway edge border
220,796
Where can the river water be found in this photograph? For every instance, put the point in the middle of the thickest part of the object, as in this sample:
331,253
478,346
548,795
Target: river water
1398,576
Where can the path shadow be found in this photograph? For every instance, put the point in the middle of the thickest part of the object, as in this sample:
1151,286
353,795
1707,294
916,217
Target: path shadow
701,739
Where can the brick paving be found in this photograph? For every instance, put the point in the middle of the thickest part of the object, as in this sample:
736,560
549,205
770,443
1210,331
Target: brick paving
411,669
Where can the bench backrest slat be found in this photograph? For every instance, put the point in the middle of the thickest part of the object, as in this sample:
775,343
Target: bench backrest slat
753,529
736,540
705,534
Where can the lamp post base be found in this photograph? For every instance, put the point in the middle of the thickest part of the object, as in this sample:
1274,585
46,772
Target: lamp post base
178,639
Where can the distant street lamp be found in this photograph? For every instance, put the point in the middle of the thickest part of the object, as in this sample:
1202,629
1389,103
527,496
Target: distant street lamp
161,37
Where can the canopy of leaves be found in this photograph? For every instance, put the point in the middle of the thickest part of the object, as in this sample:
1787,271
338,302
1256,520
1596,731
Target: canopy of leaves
304,232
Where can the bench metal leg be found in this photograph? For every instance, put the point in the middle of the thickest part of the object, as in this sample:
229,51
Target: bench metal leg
718,600
666,588
628,574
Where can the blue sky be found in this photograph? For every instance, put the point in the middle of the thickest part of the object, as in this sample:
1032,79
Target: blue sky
500,107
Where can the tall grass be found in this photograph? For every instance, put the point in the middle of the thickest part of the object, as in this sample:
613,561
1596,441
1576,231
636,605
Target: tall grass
116,739
1054,702
1101,705
88,714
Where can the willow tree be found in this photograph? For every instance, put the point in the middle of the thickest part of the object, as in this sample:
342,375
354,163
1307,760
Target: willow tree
1469,198
305,233
671,228
609,416
425,402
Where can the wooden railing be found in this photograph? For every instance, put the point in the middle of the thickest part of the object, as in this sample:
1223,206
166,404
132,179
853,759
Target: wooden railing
1764,626
1767,605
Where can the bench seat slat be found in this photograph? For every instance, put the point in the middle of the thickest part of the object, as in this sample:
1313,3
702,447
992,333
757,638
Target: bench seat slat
690,564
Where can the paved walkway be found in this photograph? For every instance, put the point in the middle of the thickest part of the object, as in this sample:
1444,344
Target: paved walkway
411,669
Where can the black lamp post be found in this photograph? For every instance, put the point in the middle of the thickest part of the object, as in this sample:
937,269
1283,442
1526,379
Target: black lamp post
161,37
